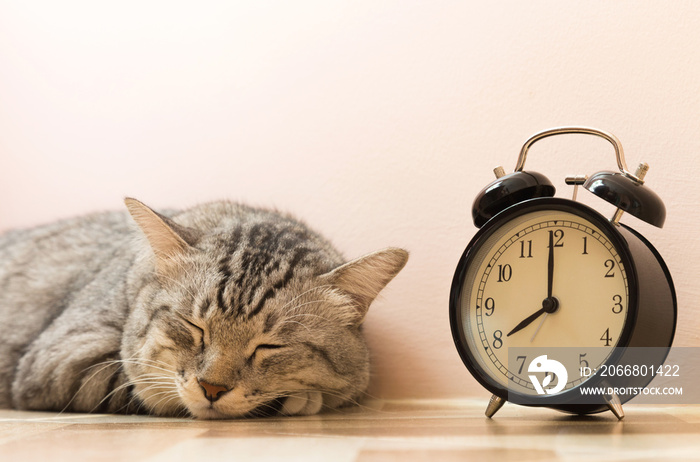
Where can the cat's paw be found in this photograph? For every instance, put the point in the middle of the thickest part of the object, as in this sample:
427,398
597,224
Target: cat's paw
303,403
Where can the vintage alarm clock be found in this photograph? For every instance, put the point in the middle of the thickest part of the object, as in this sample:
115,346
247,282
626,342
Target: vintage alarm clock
551,272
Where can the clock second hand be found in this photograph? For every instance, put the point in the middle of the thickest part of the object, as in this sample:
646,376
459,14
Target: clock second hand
527,321
538,327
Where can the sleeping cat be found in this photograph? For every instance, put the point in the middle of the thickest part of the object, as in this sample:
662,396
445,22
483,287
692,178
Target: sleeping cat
217,311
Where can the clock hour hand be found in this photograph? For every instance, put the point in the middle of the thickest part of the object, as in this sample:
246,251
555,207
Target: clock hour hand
527,321
549,305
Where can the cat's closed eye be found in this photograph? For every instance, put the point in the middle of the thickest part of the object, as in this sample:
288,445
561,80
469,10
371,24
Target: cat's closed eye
265,348
197,332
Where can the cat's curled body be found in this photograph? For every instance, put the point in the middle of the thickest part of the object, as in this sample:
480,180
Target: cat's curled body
217,311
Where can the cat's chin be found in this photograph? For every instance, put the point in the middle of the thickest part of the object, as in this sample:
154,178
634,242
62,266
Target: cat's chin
210,414
215,412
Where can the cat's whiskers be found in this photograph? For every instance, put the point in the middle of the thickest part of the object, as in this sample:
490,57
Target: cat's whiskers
142,362
154,381
132,360
168,397
86,381
145,360
151,379
184,412
142,404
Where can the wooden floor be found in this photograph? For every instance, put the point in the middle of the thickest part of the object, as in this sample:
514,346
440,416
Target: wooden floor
404,431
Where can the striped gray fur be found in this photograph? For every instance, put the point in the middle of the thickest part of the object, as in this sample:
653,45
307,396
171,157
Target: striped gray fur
217,311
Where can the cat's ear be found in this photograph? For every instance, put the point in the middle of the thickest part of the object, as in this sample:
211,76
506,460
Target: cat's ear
362,279
166,238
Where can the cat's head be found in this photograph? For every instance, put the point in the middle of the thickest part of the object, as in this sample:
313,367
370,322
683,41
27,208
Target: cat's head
262,316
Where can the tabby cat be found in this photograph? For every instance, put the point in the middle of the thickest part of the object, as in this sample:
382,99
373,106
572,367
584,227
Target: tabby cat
218,311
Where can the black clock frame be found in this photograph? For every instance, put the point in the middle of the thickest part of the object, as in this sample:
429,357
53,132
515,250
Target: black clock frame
648,323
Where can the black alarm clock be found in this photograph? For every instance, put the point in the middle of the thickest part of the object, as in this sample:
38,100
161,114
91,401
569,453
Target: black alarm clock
546,272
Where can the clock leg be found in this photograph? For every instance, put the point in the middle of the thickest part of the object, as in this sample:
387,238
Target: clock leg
615,406
495,403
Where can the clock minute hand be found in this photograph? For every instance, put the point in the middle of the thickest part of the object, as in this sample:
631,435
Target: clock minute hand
550,304
527,321
550,265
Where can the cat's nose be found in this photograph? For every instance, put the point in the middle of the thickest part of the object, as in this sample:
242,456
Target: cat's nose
212,392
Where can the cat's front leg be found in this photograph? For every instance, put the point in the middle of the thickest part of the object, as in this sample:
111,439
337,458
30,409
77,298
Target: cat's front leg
70,366
303,403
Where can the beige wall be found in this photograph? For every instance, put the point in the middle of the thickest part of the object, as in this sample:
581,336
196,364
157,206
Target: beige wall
377,122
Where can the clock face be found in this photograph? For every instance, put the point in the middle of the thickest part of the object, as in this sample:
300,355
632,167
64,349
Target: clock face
544,278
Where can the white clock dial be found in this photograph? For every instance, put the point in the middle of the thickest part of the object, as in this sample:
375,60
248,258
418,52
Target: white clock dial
507,285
